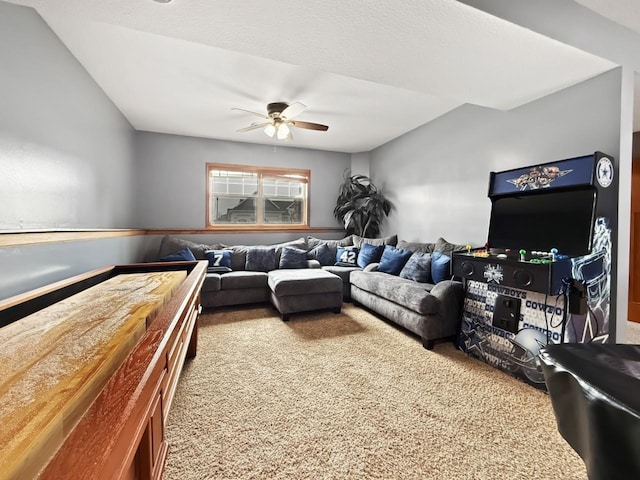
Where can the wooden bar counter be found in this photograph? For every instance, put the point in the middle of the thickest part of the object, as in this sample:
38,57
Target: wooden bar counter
90,366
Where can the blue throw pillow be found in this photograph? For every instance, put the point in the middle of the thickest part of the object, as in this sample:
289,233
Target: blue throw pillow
369,254
418,268
219,258
323,253
440,267
261,259
347,257
292,257
219,261
393,259
180,256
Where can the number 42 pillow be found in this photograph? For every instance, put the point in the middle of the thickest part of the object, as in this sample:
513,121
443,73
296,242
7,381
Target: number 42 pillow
347,257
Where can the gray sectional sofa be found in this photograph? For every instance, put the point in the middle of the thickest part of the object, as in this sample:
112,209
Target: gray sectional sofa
428,308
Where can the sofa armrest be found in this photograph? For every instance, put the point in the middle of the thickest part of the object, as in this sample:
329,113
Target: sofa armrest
313,264
450,293
372,267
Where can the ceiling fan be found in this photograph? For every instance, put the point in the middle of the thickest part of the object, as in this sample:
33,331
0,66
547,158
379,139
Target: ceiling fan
280,116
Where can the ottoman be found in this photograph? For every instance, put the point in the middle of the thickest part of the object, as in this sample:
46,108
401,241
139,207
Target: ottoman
301,290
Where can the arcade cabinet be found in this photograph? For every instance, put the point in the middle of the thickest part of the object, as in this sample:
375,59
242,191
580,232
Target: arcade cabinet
545,276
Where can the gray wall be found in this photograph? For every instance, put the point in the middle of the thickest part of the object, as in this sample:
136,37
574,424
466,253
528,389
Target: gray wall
66,157
65,150
32,266
171,187
437,176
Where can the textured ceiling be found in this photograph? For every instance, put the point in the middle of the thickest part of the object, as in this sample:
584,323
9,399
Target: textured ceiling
370,70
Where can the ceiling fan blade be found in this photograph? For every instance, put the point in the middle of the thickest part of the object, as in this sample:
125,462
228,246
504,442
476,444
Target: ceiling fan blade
293,110
309,125
261,115
253,126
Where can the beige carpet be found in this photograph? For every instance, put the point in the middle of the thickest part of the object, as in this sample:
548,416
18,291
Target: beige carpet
633,333
350,396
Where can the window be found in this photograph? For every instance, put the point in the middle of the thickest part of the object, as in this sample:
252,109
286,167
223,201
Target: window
241,195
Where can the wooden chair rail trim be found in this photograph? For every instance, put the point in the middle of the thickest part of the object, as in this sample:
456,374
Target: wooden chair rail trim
16,239
244,229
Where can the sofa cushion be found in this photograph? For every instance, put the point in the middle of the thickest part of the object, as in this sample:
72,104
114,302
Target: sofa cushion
393,259
239,256
323,253
235,280
303,282
292,257
412,295
440,266
445,247
343,242
211,283
171,244
418,268
343,272
261,259
239,252
300,243
369,254
347,256
180,256
417,246
390,240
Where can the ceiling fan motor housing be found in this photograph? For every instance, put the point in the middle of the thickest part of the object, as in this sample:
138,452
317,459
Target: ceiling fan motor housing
276,107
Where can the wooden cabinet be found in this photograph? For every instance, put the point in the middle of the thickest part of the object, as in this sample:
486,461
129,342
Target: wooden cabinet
119,434
152,450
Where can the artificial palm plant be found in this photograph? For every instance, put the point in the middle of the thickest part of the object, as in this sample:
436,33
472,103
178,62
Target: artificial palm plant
361,206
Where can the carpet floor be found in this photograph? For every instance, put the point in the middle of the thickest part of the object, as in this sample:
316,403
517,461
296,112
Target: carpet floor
633,333
350,396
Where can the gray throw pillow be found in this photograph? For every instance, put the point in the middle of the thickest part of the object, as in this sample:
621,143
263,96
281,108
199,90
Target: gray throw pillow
239,256
261,259
300,243
445,247
170,245
390,240
324,254
292,257
417,246
418,268
343,242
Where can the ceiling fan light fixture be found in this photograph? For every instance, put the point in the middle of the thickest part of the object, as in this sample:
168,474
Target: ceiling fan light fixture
283,131
279,120
270,130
